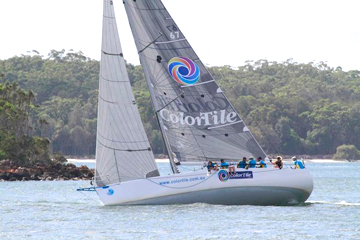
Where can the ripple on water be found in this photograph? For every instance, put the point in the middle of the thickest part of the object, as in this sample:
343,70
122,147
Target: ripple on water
54,210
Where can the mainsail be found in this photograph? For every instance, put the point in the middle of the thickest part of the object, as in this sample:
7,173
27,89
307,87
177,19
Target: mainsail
198,121
123,151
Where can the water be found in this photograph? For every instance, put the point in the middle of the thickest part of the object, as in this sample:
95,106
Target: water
54,210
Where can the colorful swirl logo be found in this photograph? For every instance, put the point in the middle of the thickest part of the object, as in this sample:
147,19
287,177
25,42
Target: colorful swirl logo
184,70
223,175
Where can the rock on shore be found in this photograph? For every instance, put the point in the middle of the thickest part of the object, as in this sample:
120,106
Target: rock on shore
57,171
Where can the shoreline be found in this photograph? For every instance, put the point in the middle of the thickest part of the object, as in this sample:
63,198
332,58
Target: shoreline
69,171
11,171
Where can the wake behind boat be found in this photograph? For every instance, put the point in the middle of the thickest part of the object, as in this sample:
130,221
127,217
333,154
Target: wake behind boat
196,120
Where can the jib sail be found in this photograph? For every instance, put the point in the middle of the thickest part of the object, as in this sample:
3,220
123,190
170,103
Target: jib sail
123,151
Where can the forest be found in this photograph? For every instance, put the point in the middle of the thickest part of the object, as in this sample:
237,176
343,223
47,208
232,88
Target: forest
291,108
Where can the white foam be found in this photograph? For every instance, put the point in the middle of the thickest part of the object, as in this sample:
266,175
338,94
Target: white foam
347,204
343,203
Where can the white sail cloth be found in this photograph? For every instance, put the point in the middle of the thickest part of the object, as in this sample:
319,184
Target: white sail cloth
123,151
198,120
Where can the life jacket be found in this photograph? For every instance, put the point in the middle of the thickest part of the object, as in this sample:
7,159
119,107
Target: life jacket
224,165
252,163
299,164
242,164
262,164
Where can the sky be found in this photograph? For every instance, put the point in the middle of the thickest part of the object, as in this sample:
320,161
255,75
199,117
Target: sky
226,32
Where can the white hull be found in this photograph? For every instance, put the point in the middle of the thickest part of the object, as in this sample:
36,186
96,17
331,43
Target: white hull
256,187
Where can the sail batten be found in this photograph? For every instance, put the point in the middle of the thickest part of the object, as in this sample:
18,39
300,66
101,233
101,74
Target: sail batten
197,84
201,124
113,54
172,41
123,152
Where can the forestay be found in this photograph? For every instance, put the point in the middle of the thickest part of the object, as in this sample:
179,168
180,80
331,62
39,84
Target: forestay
123,151
198,120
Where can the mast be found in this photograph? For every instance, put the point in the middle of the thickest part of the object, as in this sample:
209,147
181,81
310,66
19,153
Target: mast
167,144
174,169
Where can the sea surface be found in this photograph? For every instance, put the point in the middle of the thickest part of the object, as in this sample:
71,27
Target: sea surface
55,210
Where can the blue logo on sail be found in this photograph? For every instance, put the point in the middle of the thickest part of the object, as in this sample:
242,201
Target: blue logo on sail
183,70
110,192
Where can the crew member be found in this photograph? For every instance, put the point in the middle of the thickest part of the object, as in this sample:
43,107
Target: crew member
298,163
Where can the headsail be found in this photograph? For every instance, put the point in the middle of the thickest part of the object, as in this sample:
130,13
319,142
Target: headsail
123,151
199,121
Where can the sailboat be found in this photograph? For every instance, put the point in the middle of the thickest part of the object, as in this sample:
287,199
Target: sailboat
197,122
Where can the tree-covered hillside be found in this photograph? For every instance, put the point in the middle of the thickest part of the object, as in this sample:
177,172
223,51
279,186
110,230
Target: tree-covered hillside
291,108
17,142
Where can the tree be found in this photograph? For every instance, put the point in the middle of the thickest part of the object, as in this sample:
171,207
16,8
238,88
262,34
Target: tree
16,106
348,152
290,107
